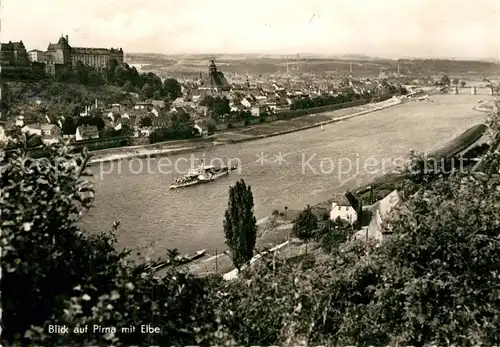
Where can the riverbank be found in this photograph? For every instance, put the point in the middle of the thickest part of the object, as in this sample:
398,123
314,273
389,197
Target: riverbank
252,133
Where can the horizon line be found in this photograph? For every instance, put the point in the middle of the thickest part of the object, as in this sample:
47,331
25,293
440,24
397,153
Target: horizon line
303,55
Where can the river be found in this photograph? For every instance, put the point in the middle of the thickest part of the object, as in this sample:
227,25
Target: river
315,164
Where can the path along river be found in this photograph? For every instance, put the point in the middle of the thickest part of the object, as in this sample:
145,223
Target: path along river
155,218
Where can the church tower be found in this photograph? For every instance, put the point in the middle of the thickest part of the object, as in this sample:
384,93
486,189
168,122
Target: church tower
216,80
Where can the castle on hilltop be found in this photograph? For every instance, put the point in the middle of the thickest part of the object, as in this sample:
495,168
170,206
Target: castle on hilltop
58,56
13,54
61,55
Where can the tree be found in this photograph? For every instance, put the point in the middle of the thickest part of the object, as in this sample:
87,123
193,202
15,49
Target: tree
157,95
463,83
333,234
445,80
172,88
68,126
305,224
95,78
167,104
220,107
211,126
145,121
128,87
147,90
82,73
240,225
456,81
110,72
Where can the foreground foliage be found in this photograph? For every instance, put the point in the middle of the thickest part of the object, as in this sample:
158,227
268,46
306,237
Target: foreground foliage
436,280
53,273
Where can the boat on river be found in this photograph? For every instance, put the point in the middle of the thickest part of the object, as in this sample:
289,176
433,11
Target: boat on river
184,259
203,174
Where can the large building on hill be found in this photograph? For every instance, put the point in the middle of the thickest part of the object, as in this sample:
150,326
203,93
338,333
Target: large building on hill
61,55
216,81
14,54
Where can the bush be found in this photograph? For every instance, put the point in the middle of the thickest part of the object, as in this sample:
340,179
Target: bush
306,224
53,273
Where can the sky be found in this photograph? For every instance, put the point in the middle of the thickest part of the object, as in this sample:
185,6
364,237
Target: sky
459,29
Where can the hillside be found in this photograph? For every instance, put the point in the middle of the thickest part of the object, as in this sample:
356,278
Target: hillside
36,99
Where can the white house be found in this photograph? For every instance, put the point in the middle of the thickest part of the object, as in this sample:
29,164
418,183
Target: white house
258,110
145,132
202,130
343,209
32,129
86,133
20,121
237,108
247,103
51,133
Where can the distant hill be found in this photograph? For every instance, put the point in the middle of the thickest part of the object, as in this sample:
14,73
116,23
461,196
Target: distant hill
360,57
365,66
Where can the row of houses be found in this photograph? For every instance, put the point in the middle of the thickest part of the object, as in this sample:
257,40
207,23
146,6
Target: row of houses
51,133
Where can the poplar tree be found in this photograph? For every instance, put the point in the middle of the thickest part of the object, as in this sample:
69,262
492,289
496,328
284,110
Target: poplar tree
240,225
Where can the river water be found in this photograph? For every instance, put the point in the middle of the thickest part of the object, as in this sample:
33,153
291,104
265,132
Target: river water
314,165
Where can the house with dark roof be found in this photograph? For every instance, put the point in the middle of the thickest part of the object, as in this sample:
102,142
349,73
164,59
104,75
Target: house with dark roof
161,121
347,207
